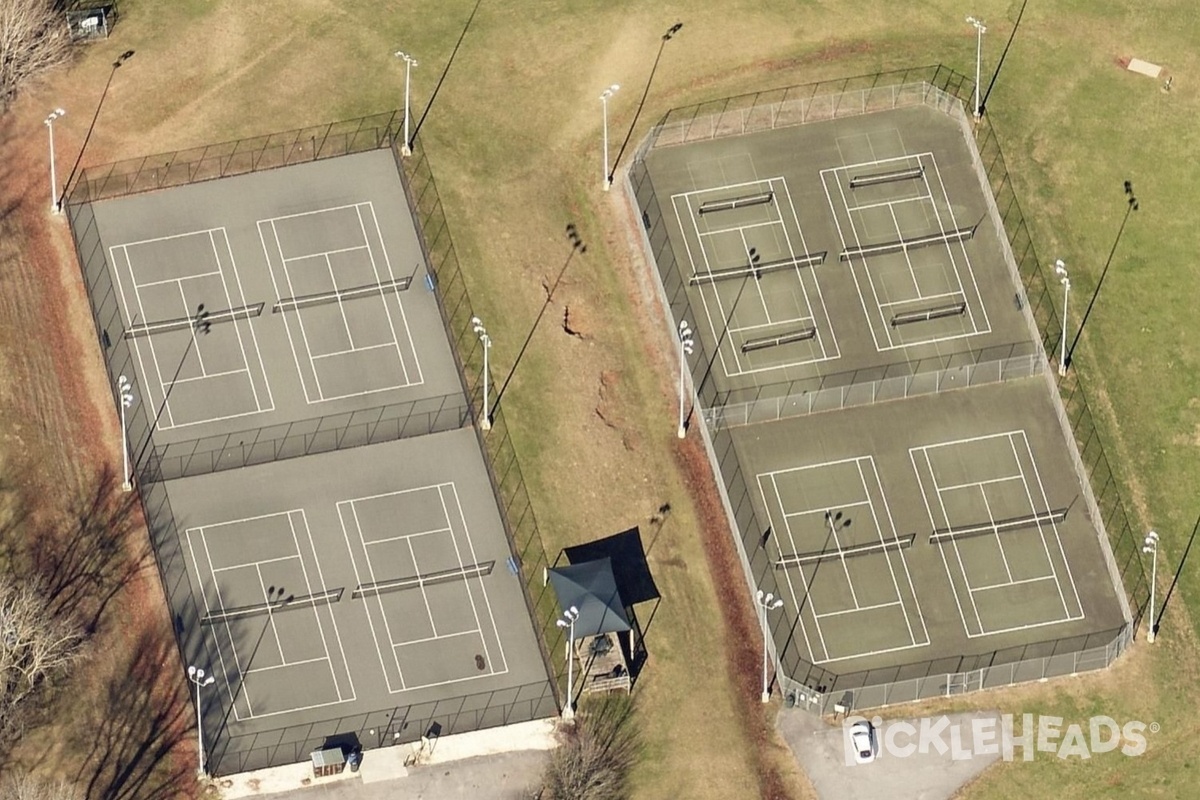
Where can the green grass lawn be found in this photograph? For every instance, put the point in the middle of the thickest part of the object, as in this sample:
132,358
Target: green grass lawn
514,138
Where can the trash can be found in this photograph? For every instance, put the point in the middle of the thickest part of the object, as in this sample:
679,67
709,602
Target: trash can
354,759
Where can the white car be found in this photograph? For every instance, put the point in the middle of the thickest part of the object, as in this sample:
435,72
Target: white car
863,741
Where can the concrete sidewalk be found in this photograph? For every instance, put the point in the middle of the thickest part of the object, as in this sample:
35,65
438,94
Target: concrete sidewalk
499,763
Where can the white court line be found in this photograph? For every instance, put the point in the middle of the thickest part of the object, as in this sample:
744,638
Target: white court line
358,580
299,317
891,203
866,271
253,670
262,368
420,585
996,533
957,552
387,627
886,555
1010,437
215,570
1012,583
262,585
408,381
829,350
1041,532
407,536
203,532
962,246
311,593
773,509
972,484
352,350
341,303
207,610
195,378
143,284
443,636
862,298
841,507
333,622
462,565
768,224
158,374
937,296
326,253
858,609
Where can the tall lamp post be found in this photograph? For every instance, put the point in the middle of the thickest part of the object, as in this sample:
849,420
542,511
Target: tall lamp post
198,677
686,343
604,96
49,122
980,30
568,622
766,602
409,63
481,332
1060,269
126,391
1150,547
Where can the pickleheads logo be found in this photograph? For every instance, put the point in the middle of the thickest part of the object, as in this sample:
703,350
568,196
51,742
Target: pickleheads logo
1028,734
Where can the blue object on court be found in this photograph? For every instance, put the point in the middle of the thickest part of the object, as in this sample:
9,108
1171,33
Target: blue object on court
429,281
512,565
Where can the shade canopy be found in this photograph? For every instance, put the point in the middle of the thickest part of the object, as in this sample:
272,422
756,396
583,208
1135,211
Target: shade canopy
592,589
629,567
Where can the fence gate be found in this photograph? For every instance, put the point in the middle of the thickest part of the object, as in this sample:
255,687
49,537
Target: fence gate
963,682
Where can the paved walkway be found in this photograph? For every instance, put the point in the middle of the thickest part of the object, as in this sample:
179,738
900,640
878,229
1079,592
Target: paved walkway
495,764
941,761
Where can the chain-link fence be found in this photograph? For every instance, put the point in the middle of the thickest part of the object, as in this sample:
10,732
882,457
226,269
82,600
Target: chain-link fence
936,86
155,464
508,484
235,158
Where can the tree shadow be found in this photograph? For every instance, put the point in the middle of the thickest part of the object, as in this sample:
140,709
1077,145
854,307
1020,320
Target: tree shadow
81,559
133,729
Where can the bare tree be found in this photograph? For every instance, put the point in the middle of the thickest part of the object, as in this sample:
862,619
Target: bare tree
33,40
35,650
26,787
597,752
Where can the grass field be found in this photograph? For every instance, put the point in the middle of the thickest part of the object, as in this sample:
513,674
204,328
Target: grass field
514,138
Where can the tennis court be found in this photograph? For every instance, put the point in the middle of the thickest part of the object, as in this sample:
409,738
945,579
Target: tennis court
273,297
333,586
960,531
835,247
846,278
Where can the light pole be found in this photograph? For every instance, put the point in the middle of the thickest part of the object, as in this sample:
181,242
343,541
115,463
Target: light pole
766,602
686,342
980,30
126,391
200,679
1150,546
607,93
1060,269
49,121
568,621
481,332
409,63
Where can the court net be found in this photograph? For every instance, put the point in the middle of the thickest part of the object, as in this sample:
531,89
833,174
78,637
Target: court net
801,335
272,607
183,323
998,526
892,176
736,202
758,270
933,312
339,295
871,548
428,579
904,245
